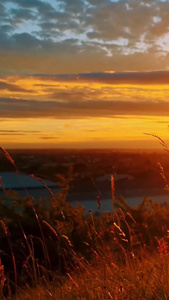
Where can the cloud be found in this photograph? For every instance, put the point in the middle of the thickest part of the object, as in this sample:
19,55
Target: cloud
18,131
22,42
47,137
2,12
5,134
52,36
20,15
42,6
142,78
85,94
12,108
12,87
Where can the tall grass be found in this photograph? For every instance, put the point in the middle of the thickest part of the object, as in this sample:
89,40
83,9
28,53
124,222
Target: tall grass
63,254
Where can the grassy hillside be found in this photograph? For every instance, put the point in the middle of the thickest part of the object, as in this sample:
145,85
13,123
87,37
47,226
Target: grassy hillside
55,251
63,254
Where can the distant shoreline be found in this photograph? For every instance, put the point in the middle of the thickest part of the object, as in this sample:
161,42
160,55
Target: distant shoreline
89,196
131,150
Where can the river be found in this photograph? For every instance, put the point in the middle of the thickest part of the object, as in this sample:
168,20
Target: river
107,204
88,200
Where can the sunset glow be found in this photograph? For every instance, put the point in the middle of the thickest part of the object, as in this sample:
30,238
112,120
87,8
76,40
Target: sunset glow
79,75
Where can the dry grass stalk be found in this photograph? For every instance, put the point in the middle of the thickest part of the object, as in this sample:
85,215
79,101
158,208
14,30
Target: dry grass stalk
99,194
5,229
41,181
2,278
112,187
131,217
160,140
98,202
73,280
7,155
162,173
66,237
50,227
42,235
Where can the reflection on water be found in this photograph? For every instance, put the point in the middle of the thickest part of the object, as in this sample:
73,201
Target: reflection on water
35,193
107,204
88,200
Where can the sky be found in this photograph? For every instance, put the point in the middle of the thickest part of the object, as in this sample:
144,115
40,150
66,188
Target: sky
84,73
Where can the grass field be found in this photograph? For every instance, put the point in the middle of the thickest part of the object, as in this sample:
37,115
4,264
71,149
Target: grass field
61,253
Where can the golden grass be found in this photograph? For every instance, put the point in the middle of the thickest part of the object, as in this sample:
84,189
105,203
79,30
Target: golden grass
143,278
118,269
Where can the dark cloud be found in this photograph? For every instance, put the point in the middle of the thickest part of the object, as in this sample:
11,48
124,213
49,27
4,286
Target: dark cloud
18,131
5,29
2,12
12,108
42,6
24,42
12,87
20,15
75,94
145,78
47,137
5,134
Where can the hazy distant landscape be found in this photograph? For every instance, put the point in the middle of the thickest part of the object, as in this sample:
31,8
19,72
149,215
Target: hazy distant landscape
136,173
